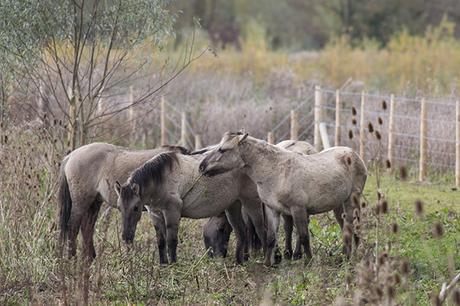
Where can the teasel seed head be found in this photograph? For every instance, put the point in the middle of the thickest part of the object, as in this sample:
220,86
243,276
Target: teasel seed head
370,127
438,230
403,173
394,228
418,208
388,164
384,207
391,292
397,279
405,267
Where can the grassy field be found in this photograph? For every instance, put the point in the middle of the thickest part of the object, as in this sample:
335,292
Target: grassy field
35,274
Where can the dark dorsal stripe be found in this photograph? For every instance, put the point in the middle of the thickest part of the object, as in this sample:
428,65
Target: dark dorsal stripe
152,170
204,150
177,149
291,144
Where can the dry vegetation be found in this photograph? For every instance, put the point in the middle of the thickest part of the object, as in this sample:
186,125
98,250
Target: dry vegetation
408,249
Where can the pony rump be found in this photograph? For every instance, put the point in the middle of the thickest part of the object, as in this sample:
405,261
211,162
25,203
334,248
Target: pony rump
152,170
65,202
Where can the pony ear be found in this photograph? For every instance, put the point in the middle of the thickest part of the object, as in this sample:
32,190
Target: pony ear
117,187
135,188
242,138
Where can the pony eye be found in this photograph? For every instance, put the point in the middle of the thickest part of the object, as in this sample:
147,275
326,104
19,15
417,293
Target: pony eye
221,151
136,208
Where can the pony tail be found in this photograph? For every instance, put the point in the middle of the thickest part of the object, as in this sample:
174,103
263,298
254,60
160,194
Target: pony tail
65,202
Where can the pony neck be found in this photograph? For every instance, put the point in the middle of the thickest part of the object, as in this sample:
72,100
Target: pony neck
259,157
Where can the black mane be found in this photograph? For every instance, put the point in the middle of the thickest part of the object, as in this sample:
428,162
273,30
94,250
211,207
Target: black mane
152,170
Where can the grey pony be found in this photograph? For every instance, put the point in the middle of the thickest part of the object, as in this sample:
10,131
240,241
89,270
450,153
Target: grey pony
217,229
294,184
87,177
172,187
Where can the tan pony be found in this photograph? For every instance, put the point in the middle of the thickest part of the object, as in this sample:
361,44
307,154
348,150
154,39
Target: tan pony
171,186
217,229
87,177
291,183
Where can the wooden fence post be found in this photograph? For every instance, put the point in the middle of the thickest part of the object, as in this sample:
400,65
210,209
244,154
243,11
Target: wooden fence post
163,140
324,136
183,130
391,128
361,126
197,142
318,101
457,146
337,118
270,138
294,125
423,142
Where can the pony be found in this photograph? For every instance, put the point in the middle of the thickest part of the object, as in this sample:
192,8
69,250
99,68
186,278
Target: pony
171,186
217,229
85,179
294,184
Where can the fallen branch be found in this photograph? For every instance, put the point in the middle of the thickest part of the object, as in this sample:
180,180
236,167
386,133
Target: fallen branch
445,289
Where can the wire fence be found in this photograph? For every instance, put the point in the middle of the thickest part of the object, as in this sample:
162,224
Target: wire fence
414,131
440,124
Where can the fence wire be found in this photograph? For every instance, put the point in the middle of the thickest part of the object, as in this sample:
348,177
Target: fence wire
440,122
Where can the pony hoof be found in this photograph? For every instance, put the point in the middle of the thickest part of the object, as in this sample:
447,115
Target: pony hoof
287,255
278,259
277,256
297,256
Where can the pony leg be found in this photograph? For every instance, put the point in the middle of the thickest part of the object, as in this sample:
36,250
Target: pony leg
273,222
236,221
172,218
257,233
160,231
74,227
87,229
249,232
288,225
300,216
298,247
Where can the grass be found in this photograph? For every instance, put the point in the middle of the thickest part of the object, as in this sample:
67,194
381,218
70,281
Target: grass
135,277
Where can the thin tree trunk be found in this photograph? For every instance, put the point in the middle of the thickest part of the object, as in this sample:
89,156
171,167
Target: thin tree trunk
73,123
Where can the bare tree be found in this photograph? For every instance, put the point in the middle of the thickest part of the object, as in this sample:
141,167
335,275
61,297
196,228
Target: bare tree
72,53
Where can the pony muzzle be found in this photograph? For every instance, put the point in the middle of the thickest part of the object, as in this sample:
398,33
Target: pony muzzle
128,238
